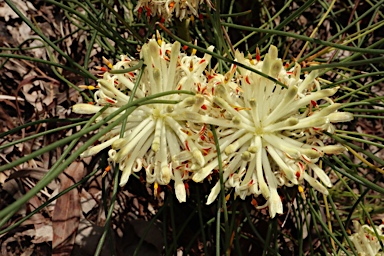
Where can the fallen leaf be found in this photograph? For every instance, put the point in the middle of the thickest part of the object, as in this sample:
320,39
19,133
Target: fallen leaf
87,202
66,215
43,229
7,13
43,233
35,173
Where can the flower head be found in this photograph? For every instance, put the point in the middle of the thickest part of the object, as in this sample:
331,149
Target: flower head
270,136
166,9
365,240
156,135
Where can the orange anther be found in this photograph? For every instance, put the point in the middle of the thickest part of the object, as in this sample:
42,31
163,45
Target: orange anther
107,62
257,54
194,50
191,66
159,41
106,170
156,189
250,59
301,191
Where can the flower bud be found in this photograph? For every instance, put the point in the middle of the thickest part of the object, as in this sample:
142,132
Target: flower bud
83,108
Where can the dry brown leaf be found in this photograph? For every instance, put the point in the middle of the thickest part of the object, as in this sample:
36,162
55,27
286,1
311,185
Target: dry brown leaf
35,173
87,201
43,229
66,215
7,13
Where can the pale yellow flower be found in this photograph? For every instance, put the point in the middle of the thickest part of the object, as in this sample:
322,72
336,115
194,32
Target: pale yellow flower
170,8
365,240
269,136
156,135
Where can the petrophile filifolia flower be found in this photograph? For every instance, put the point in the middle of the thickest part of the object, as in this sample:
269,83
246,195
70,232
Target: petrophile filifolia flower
156,135
269,136
167,9
365,240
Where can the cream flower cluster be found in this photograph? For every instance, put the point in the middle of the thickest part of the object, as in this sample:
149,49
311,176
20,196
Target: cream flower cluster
365,240
269,136
167,9
157,135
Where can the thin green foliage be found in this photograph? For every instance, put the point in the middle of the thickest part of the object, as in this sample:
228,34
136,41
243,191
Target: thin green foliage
346,55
